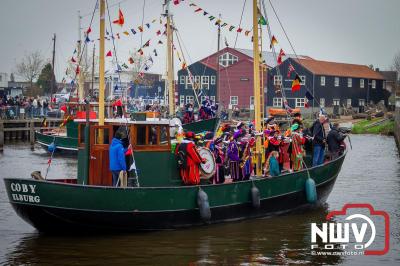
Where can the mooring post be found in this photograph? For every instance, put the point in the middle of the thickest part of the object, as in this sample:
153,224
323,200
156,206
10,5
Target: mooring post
32,134
1,136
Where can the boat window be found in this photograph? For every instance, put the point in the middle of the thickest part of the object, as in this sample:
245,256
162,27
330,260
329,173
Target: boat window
141,134
164,135
153,135
106,136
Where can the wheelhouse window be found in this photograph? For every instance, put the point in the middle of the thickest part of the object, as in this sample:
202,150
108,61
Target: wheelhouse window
147,137
361,83
336,82
234,100
300,102
227,59
277,102
349,82
322,80
277,80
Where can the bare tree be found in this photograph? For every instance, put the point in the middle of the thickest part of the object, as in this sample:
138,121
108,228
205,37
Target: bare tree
30,66
396,63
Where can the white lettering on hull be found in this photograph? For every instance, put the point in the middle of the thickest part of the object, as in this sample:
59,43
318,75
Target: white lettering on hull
24,188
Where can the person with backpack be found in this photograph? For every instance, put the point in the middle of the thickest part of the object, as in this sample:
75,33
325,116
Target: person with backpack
319,140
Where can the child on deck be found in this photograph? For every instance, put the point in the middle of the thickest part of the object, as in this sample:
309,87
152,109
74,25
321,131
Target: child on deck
272,165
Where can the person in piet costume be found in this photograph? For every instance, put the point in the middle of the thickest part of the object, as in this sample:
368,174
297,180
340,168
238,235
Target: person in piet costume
189,114
189,160
297,151
234,158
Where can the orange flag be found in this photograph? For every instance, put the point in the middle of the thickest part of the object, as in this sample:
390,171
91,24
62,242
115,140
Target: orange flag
120,21
273,41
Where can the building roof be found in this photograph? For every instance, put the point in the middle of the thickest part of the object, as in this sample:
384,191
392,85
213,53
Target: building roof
389,75
269,56
339,69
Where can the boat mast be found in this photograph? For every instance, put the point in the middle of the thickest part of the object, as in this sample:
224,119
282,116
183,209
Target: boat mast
170,63
80,75
101,64
53,78
256,85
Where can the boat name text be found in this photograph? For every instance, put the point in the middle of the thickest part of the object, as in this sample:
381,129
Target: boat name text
24,188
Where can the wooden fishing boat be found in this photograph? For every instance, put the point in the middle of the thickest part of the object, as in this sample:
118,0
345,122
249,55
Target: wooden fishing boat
89,203
157,200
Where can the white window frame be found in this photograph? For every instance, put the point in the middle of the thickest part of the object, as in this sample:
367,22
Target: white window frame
277,80
334,101
322,102
348,103
227,59
189,99
362,83
361,102
373,84
337,82
323,81
349,82
277,102
213,79
205,82
182,79
197,80
188,84
300,102
212,98
181,99
302,80
234,100
251,100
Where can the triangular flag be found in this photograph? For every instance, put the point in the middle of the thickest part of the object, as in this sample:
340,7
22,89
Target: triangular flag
125,65
109,53
120,21
281,54
191,4
296,83
176,2
75,51
118,36
160,42
290,70
184,65
239,30
133,31
273,41
126,33
247,32
199,9
218,22
147,44
205,13
224,24
140,51
72,60
155,52
130,60
133,166
211,18
231,28
158,32
87,39
148,25
140,28
115,87
89,30
151,59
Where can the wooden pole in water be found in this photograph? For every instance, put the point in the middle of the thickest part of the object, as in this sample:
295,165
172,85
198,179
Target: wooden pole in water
256,85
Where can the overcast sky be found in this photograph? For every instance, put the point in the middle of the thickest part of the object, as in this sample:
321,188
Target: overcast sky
350,31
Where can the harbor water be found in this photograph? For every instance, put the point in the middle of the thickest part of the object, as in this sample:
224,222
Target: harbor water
370,174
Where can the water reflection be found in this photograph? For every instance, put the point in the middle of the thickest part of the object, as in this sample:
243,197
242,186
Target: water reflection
277,240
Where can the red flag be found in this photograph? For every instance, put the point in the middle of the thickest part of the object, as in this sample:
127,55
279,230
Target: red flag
239,30
290,70
120,21
176,2
281,53
130,60
109,53
199,9
140,28
89,30
73,60
158,32
77,70
296,83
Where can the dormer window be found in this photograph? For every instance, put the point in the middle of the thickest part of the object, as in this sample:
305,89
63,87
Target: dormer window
227,59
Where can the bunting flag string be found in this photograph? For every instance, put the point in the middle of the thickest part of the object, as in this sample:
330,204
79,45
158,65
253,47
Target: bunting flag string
120,21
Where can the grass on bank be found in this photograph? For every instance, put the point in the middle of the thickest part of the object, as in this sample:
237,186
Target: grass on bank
386,128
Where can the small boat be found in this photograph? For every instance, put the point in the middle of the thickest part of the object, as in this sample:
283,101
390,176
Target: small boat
202,125
64,141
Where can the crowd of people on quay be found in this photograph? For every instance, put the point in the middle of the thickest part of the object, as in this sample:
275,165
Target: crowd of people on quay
23,107
284,150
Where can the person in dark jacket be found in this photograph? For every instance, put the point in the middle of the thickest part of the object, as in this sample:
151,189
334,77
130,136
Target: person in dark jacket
319,140
334,140
117,155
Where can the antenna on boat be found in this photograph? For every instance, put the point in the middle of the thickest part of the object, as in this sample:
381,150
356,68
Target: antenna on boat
257,90
170,62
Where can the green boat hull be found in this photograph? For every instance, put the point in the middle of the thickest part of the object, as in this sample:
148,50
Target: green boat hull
202,125
63,144
59,207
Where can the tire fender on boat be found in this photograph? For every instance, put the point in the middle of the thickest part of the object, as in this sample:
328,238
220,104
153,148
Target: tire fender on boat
255,196
204,205
311,190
